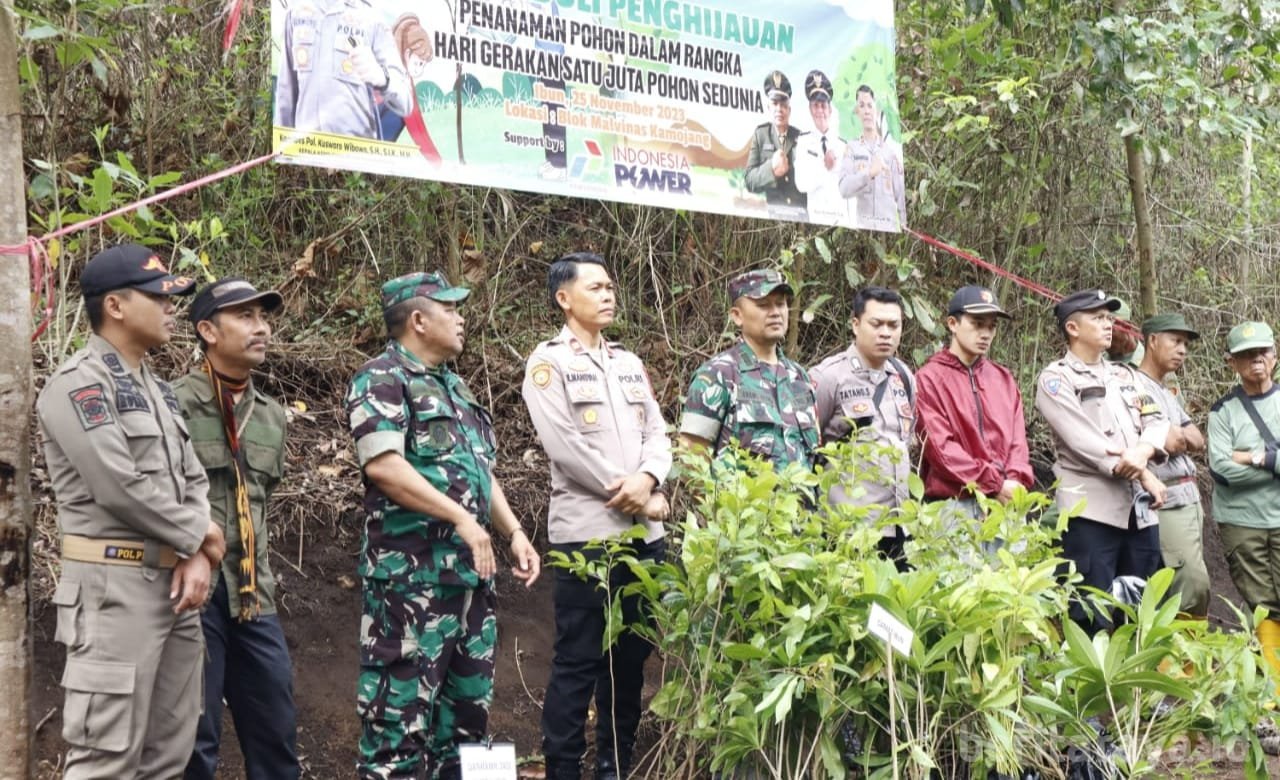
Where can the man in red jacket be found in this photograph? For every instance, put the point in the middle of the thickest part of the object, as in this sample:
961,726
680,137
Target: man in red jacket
969,411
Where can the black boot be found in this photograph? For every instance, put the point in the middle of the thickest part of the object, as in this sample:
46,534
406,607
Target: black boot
563,770
613,767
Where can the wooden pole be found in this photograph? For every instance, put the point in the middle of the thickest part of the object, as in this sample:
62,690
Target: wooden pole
15,418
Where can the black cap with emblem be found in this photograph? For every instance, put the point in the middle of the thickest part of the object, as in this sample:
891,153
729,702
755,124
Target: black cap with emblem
231,291
817,87
131,266
1084,300
777,86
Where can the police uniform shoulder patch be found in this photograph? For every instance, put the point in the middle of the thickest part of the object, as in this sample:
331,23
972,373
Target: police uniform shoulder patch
1053,385
113,363
91,406
540,375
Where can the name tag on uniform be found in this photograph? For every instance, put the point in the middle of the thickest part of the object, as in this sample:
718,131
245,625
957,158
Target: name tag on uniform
113,553
495,761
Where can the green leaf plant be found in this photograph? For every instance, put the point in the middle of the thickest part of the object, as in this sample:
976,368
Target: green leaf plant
770,669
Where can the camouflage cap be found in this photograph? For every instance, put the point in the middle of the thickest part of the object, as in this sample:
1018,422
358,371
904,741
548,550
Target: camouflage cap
757,284
1250,335
421,285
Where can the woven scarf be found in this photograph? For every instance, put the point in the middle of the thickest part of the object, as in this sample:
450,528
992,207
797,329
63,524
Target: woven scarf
224,389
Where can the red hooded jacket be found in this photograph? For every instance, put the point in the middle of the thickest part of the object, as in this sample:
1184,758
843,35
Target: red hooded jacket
970,422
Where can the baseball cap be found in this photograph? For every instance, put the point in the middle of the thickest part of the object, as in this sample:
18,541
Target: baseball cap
1250,335
817,86
1084,300
230,291
975,300
131,266
1168,323
757,284
776,84
421,285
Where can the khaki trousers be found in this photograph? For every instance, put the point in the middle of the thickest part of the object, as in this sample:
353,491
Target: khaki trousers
132,680
1181,546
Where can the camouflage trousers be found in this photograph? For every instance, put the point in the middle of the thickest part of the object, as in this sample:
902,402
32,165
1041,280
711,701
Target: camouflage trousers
426,676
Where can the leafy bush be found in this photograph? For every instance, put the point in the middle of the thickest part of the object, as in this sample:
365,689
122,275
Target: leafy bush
771,670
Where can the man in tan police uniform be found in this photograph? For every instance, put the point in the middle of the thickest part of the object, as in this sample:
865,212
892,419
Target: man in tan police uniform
603,431
1106,430
138,545
866,394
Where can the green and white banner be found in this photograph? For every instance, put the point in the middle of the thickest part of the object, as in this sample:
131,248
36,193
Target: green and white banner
779,110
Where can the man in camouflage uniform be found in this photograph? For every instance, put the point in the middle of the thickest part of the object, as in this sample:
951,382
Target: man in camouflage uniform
137,542
1107,431
752,393
865,393
594,410
427,450
238,433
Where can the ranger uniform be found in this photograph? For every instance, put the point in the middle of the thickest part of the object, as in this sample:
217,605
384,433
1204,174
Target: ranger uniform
131,501
779,191
598,420
1092,412
1245,465
247,659
428,629
1181,516
735,397
318,87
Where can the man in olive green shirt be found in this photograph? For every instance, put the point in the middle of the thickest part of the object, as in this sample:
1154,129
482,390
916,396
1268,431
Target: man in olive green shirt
238,433
1243,425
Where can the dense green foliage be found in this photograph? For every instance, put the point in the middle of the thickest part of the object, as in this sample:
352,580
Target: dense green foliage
1013,114
763,622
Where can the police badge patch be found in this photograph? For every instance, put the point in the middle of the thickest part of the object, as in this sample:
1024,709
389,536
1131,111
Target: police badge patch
91,407
541,375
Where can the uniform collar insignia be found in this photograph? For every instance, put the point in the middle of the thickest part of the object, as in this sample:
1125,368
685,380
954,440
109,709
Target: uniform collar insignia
407,358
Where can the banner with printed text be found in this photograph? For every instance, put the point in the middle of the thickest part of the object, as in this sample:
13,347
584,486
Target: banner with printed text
777,110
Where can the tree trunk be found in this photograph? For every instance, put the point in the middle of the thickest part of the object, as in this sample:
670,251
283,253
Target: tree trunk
1137,170
15,415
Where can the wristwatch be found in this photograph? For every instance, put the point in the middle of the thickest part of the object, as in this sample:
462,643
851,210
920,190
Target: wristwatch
1258,458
